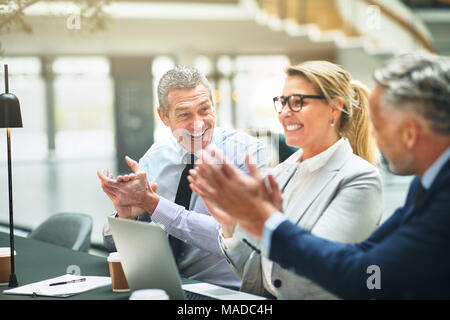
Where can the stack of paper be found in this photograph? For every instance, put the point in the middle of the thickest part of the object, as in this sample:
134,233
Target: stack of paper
43,288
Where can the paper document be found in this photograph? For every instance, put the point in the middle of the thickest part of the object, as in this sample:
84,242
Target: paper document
43,288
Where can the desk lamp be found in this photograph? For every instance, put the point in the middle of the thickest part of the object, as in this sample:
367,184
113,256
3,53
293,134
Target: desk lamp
10,117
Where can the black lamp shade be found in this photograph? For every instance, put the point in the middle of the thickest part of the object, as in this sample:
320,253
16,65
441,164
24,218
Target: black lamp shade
10,116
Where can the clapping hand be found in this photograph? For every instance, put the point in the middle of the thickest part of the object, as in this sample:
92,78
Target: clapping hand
128,192
233,195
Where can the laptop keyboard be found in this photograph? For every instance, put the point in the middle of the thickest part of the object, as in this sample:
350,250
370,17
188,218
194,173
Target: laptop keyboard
189,295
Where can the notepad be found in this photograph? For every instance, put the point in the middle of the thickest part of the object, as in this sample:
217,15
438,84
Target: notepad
43,288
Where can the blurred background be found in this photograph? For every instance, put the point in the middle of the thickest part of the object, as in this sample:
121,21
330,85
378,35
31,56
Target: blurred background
86,72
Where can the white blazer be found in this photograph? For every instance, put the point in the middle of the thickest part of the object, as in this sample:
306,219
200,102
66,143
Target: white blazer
344,204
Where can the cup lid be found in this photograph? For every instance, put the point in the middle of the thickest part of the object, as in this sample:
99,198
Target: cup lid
6,252
149,294
114,257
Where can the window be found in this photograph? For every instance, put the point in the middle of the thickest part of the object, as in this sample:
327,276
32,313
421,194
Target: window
160,66
83,108
258,79
26,83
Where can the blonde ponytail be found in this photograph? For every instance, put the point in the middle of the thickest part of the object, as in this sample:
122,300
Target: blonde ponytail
356,125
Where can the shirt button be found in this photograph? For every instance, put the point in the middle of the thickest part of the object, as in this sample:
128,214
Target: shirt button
277,283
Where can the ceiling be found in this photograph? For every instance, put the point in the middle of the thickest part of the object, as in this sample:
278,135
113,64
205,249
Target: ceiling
190,1
163,30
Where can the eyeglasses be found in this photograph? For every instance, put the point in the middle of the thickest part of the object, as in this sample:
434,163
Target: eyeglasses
294,101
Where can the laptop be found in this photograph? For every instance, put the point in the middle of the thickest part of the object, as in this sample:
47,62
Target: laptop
148,263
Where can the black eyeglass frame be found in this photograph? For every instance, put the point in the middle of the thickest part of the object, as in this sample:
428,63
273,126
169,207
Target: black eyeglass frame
287,99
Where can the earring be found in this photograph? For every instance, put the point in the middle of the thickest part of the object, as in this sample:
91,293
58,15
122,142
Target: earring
332,123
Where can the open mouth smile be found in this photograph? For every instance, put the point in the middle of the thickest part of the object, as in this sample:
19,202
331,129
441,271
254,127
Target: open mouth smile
294,127
197,135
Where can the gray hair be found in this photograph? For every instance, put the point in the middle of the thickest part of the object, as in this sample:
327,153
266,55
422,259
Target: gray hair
180,77
419,82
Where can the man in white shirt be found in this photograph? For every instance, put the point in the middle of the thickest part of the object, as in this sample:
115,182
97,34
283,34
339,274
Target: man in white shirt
149,194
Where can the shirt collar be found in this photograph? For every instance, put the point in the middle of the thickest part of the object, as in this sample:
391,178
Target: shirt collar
319,160
431,173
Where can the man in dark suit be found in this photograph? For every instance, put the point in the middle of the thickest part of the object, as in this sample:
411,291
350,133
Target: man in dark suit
407,257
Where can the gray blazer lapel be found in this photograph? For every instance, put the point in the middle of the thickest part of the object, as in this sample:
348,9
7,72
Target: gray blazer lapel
284,174
325,175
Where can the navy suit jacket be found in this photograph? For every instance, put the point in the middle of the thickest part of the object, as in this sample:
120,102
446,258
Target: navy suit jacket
411,250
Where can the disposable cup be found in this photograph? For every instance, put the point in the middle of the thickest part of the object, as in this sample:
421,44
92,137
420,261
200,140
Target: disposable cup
118,280
5,265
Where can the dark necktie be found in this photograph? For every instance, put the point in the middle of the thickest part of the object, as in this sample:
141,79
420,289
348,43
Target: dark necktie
183,198
414,203
420,193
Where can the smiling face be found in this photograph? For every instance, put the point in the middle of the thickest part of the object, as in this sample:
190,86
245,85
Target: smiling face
190,117
309,128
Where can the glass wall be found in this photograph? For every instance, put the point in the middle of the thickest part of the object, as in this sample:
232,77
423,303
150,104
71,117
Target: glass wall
83,108
160,65
67,134
25,81
258,79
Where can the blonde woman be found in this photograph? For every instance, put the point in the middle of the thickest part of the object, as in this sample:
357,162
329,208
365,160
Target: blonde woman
330,185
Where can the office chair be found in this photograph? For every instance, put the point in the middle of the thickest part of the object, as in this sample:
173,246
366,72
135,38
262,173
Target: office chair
70,230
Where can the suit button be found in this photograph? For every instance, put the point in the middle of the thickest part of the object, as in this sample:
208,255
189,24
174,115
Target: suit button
277,283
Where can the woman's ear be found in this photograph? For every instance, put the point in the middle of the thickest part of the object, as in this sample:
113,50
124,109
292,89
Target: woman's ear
337,105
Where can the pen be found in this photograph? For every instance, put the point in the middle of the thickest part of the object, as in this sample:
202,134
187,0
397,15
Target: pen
66,282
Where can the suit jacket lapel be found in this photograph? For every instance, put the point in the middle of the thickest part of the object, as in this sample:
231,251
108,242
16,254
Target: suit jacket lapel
285,176
441,178
325,175
284,173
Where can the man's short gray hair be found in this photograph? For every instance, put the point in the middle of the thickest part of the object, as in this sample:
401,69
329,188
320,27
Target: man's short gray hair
419,82
180,77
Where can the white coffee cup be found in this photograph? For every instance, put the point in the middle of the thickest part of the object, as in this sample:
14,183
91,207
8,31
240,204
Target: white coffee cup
5,265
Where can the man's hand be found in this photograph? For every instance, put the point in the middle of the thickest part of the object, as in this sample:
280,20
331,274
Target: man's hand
235,194
131,194
126,212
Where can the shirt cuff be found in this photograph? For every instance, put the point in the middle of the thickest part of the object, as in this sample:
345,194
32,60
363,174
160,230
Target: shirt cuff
166,213
269,227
